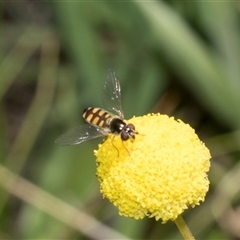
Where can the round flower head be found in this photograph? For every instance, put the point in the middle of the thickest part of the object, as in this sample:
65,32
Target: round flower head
158,174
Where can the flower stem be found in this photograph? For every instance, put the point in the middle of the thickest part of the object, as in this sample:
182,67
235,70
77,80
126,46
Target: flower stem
183,228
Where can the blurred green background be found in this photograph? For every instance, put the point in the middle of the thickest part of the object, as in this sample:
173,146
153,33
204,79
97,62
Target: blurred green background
179,58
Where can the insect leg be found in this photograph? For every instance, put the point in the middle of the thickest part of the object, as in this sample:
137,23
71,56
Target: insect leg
114,145
126,148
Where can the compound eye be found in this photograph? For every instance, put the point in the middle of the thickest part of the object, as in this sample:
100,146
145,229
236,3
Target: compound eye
124,135
131,126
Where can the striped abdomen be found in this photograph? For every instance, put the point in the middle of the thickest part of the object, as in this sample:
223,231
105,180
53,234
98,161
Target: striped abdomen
97,116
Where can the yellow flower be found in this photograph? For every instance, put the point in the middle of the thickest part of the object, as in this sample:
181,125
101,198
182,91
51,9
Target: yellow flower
159,174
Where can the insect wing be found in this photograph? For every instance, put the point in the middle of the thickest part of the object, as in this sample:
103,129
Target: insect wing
112,94
80,134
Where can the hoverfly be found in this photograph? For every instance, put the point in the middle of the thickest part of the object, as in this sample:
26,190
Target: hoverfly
102,122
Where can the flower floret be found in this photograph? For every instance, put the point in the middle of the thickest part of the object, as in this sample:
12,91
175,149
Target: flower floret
159,174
